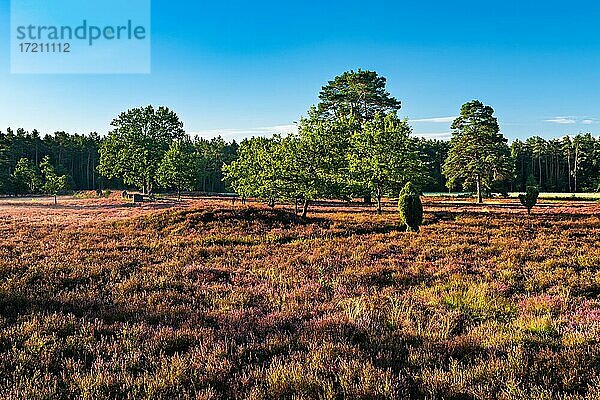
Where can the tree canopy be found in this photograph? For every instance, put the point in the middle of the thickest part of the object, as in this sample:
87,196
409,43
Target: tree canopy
258,170
382,158
180,167
136,146
351,144
26,177
329,158
53,182
479,154
361,94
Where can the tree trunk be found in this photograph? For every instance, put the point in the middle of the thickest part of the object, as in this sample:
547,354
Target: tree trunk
87,170
367,200
305,208
569,167
523,179
55,201
575,168
569,171
548,175
479,196
178,194
379,193
540,165
296,206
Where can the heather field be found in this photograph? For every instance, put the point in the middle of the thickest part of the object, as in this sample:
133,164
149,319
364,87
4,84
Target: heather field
208,300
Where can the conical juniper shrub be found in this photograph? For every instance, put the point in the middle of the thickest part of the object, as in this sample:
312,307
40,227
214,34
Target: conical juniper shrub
410,207
530,198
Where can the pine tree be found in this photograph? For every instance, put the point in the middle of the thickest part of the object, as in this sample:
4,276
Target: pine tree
479,154
360,94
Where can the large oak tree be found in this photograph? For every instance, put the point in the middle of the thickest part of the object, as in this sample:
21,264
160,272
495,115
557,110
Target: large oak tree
136,146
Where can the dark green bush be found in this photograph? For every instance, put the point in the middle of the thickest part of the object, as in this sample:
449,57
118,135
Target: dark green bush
410,207
530,198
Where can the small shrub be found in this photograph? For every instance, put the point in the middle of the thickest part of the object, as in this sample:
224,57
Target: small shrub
410,207
529,199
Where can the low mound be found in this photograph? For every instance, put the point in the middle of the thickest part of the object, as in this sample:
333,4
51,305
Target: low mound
200,218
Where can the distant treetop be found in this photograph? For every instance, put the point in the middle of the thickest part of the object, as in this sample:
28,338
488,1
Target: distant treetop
361,94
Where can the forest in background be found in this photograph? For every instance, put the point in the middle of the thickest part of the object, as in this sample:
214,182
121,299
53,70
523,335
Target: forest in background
566,165
351,144
78,156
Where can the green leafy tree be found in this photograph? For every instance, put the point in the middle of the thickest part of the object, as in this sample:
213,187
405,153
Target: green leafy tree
479,154
322,156
410,207
382,158
316,162
296,175
279,168
433,153
356,96
136,146
257,170
27,177
53,183
361,94
180,168
215,153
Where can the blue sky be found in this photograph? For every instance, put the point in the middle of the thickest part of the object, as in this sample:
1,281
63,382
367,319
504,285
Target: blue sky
244,67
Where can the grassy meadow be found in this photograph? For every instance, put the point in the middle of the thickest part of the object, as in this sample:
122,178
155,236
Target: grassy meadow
208,300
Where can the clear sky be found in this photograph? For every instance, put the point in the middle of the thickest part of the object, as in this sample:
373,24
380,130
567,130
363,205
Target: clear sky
244,67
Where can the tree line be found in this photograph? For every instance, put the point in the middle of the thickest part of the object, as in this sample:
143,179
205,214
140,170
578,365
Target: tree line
78,158
351,144
74,156
570,164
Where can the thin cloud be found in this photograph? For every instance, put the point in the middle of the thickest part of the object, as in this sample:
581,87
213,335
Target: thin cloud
588,121
239,134
435,120
562,120
434,135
